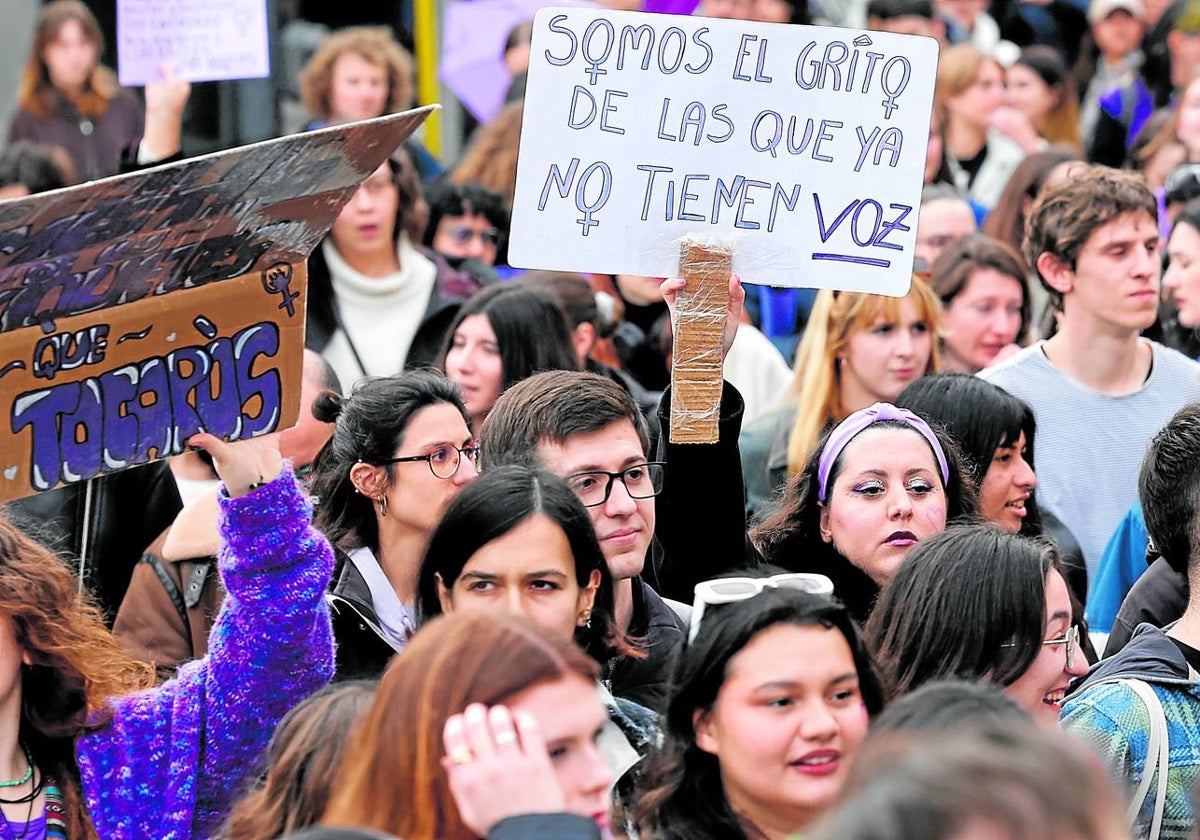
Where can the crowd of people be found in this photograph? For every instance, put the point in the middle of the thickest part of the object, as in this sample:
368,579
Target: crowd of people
478,592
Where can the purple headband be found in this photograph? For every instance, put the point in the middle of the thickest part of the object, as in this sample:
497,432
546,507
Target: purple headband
859,421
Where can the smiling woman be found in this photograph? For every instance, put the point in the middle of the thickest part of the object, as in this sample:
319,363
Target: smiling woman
978,603
996,433
759,741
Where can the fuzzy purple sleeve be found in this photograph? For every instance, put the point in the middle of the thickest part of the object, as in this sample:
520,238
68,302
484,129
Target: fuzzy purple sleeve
175,757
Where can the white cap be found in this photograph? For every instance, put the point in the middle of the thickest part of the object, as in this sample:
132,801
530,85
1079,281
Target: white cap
1098,10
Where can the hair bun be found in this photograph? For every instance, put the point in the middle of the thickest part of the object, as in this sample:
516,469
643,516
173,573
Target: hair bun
327,407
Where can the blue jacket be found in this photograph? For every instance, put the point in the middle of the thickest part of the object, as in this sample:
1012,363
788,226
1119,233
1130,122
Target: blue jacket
1112,720
1123,562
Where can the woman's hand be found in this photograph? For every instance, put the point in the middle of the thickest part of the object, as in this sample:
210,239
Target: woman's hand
165,101
245,464
498,767
1015,125
672,286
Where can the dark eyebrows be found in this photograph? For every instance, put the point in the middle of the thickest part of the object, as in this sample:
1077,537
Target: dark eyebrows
632,460
541,573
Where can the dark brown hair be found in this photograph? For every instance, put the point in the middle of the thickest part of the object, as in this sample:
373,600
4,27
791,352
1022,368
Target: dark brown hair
1064,218
790,534
1006,221
552,407
491,158
968,603
392,777
958,262
1013,778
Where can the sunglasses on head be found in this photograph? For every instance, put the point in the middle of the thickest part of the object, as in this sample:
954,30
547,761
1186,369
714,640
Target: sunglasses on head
733,589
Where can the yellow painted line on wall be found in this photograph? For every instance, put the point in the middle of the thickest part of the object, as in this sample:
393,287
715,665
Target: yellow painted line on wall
425,40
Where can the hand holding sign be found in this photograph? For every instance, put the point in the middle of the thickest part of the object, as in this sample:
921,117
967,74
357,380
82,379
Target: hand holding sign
165,101
244,465
672,286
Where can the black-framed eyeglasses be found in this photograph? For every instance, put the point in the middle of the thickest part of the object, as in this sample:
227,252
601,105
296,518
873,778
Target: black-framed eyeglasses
444,460
642,481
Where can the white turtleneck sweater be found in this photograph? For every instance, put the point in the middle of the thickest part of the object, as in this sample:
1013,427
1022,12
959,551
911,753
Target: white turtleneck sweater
380,314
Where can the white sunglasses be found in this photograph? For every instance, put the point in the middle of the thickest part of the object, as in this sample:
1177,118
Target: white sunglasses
732,589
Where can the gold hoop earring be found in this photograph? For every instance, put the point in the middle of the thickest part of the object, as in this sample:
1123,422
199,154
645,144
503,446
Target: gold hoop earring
383,505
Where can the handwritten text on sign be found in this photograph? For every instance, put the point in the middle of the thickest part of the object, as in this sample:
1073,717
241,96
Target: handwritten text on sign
138,310
803,146
202,40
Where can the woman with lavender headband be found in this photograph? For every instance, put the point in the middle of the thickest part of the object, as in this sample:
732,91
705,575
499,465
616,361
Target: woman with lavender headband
877,484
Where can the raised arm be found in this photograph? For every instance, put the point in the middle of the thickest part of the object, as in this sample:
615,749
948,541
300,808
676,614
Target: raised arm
701,528
173,758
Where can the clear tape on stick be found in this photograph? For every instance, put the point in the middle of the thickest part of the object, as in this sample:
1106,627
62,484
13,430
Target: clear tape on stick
696,359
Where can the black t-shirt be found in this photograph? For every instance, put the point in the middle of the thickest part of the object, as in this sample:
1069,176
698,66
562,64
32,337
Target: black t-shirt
972,165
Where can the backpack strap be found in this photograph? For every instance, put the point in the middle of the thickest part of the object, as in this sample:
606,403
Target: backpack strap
1158,757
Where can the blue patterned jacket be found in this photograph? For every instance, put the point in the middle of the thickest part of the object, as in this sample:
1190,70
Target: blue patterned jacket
1111,720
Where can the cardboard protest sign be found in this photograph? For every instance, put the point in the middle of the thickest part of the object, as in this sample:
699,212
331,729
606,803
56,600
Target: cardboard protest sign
139,310
802,148
202,40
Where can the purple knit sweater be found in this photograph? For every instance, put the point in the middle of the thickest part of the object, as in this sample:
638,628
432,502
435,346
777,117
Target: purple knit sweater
175,757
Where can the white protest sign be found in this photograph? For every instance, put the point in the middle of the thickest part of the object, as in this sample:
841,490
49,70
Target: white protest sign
802,147
202,40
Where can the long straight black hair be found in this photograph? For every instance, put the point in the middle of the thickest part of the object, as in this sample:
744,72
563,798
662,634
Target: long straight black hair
968,603
981,417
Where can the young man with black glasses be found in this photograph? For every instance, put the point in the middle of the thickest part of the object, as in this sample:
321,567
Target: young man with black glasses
682,510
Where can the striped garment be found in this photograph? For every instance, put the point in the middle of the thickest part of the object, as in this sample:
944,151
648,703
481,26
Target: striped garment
1090,445
56,824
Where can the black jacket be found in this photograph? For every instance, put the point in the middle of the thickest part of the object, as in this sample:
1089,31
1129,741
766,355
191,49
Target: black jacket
700,531
1159,597
107,526
362,652
450,289
661,633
